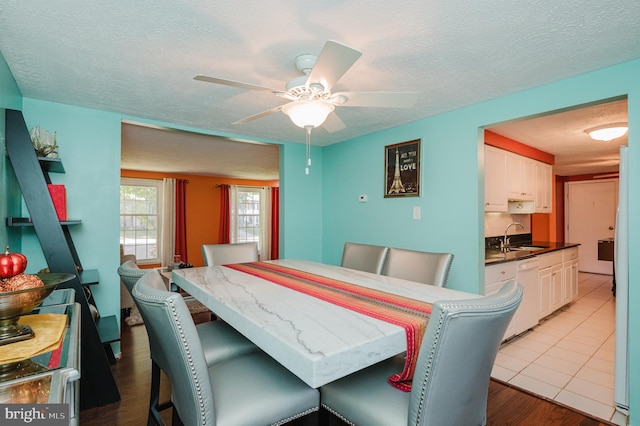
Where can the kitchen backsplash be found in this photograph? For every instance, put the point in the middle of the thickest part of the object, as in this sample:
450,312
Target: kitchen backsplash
496,223
514,239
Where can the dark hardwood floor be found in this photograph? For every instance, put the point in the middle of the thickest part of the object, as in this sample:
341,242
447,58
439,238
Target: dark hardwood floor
506,406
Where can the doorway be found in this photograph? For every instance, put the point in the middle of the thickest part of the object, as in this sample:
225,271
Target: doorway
590,213
206,161
577,159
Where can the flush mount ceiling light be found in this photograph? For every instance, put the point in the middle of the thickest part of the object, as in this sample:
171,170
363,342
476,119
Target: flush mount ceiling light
307,113
607,132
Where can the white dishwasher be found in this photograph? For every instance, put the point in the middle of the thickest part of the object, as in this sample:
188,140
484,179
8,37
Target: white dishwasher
527,314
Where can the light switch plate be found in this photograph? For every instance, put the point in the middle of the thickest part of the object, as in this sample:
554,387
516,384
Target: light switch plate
416,213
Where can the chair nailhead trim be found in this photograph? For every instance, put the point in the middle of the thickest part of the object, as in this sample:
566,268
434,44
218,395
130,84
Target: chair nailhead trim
340,416
191,364
295,416
423,383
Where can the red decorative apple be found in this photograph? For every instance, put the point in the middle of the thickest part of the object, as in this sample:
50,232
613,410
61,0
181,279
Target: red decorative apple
12,264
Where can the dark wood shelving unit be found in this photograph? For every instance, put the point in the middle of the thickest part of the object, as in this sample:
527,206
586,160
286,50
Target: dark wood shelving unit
51,165
89,277
25,221
97,385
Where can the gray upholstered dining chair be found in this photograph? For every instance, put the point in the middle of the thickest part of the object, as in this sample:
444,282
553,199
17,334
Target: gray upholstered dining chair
451,380
130,273
218,340
126,301
419,266
363,257
224,254
247,389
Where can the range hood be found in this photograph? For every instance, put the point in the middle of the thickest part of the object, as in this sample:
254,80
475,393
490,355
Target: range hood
521,207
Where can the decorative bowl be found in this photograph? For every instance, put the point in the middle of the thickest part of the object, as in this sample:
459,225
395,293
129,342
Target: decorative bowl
13,304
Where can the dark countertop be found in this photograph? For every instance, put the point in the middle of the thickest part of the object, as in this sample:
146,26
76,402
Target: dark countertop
493,256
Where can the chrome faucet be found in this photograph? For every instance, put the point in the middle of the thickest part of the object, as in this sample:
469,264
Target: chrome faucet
506,244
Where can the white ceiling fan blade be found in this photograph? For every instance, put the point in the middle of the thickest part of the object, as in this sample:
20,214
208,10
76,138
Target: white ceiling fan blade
333,123
334,60
378,99
259,115
239,84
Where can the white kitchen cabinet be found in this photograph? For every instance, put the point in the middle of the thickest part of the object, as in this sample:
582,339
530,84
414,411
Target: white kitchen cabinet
495,276
550,283
516,184
544,188
550,289
570,283
529,177
556,287
522,177
570,278
495,179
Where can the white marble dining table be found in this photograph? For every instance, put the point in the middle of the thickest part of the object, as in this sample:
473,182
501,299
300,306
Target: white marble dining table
316,340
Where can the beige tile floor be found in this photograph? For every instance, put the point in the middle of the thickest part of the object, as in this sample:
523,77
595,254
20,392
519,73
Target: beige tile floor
569,357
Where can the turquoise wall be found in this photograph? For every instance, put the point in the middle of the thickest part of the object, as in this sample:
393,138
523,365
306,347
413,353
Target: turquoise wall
301,204
89,146
10,98
453,185
450,185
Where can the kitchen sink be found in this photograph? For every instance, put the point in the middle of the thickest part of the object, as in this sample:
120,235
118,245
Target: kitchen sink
529,248
510,255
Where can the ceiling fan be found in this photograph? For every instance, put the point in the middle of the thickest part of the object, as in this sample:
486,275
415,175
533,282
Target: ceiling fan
313,89
311,100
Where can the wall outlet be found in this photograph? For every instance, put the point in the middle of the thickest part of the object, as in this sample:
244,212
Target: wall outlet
362,198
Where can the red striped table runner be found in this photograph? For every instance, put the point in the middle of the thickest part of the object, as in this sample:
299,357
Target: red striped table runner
410,314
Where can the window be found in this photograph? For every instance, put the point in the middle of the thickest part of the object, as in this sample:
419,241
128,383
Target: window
140,218
246,205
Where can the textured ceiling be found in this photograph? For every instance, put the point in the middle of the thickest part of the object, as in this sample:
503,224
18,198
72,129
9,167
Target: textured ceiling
563,135
139,58
151,148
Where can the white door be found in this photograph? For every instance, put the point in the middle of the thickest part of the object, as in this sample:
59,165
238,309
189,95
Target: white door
591,216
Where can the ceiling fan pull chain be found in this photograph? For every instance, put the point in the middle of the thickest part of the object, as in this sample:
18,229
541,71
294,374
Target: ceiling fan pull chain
308,128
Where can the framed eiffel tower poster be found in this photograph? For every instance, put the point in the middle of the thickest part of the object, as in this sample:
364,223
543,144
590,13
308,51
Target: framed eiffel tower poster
402,169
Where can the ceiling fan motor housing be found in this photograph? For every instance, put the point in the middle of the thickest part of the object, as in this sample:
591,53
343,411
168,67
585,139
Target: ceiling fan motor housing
304,63
298,86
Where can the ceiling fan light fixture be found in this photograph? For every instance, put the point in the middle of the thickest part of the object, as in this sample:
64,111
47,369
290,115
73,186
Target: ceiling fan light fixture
607,132
305,113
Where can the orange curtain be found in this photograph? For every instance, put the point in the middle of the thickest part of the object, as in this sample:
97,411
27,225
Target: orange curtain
275,222
225,215
181,219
